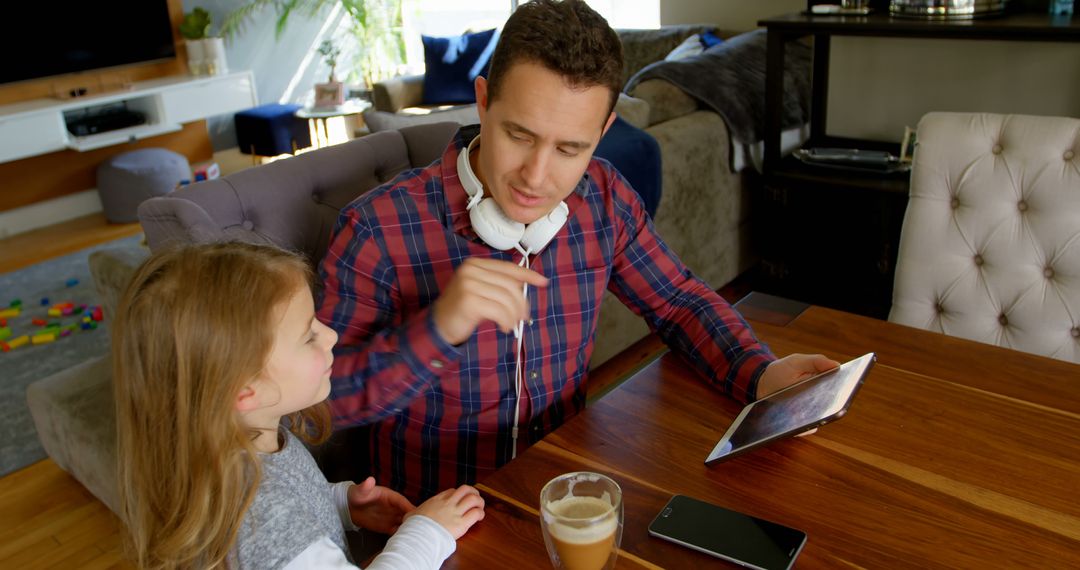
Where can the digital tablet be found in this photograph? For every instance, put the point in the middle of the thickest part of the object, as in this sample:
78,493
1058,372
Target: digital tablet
815,401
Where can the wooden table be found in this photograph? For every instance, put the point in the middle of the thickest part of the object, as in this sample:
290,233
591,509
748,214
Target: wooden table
954,454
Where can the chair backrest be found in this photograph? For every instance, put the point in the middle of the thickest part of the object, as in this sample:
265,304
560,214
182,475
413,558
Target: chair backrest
292,203
990,247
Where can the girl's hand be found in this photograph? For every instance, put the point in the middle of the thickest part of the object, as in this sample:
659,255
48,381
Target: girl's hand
455,509
377,508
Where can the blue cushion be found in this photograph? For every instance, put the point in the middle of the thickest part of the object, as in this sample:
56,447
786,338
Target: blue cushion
636,155
709,39
271,129
453,64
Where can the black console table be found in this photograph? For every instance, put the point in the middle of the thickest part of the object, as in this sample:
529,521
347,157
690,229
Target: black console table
830,237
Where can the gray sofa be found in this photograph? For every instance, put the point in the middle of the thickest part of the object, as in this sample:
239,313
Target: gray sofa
704,206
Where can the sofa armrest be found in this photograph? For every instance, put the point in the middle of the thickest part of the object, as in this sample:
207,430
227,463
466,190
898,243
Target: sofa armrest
632,110
665,100
642,47
393,95
111,270
75,417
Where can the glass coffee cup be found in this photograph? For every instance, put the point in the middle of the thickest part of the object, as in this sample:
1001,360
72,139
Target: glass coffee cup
581,515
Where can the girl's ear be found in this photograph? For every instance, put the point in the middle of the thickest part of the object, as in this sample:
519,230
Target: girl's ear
248,398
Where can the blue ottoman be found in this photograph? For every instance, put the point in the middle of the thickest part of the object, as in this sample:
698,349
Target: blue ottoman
271,129
127,179
636,155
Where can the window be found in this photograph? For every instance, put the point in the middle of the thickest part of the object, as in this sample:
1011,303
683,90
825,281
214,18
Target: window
442,18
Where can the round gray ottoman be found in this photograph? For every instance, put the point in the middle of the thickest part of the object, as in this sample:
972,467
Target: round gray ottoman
127,179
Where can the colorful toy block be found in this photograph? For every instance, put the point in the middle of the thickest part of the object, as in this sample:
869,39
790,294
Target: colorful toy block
5,333
205,171
10,313
71,282
17,342
55,312
3,322
42,338
44,301
15,303
38,322
98,315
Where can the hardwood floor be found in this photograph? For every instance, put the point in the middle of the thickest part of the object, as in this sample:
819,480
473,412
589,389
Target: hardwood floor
37,245
49,520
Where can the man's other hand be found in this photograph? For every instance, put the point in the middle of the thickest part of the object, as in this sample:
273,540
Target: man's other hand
483,290
791,369
377,508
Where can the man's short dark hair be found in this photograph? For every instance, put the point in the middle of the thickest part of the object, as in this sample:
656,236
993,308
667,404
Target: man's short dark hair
567,37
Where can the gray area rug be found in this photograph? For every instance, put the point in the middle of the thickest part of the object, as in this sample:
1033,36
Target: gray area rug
19,445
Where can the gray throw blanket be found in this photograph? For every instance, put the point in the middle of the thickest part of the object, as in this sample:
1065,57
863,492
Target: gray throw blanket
729,78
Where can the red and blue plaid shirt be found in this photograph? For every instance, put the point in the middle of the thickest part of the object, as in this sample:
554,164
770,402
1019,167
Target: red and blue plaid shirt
442,414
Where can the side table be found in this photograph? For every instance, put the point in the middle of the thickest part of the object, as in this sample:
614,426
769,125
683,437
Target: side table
320,116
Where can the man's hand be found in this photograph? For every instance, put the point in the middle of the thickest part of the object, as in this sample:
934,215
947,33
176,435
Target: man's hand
483,290
791,369
377,508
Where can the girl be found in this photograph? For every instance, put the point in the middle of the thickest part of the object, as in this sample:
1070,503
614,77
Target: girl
213,346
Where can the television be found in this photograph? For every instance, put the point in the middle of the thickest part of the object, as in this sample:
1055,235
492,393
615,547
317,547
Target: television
69,37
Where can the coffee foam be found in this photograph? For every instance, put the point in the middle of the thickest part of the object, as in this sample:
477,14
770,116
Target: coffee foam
575,535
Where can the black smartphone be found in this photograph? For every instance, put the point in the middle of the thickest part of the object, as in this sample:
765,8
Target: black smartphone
723,533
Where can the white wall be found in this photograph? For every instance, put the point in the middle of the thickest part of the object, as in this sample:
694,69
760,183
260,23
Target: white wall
735,15
879,85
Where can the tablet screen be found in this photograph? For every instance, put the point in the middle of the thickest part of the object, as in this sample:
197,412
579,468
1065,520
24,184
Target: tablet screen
794,409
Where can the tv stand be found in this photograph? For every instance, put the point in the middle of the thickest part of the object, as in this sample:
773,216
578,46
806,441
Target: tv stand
37,127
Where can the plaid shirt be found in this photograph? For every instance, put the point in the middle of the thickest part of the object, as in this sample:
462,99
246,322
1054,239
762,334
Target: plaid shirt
443,414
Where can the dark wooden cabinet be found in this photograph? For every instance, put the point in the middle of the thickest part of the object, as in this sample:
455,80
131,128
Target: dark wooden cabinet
830,237
829,240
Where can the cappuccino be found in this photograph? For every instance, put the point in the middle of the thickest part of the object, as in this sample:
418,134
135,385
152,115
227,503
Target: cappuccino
583,531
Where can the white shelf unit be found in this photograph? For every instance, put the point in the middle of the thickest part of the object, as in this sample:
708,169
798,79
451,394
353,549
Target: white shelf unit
32,128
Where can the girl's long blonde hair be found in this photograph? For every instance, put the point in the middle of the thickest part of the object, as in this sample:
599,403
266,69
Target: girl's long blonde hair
194,326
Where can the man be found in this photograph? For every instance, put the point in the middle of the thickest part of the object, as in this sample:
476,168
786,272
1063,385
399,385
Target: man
440,350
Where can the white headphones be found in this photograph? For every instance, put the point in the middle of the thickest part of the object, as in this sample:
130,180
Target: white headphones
491,224
500,232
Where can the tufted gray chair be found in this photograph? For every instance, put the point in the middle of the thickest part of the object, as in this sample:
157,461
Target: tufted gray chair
990,246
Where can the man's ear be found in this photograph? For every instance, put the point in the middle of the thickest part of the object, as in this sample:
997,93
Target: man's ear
248,398
607,125
480,85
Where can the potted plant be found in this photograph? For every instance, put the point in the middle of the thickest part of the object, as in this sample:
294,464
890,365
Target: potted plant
332,93
206,53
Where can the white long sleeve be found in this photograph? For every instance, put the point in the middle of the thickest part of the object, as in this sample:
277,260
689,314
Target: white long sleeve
340,497
420,544
323,554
